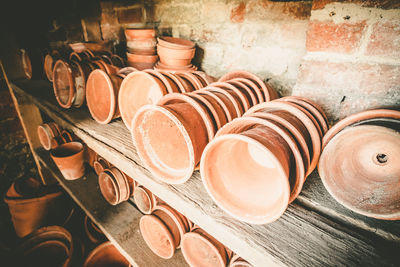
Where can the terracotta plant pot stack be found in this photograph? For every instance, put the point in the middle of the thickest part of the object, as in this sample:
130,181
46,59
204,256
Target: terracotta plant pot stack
70,159
276,145
32,205
69,76
163,230
359,165
175,54
47,246
50,135
171,136
116,186
201,249
101,95
106,255
141,45
149,86
145,200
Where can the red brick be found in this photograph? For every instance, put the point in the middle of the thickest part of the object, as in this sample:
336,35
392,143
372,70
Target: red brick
330,37
385,40
385,4
130,15
261,10
238,13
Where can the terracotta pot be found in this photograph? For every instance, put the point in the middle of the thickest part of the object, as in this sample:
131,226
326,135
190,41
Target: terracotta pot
201,249
223,101
181,85
258,154
359,168
251,96
101,96
93,233
231,96
132,34
173,53
175,43
47,246
132,184
122,183
138,89
69,159
252,86
313,108
80,76
157,236
315,148
149,51
161,66
109,187
117,61
237,261
144,200
27,187
207,78
142,44
106,255
81,47
183,127
357,117
196,82
269,93
32,212
49,62
46,135
125,71
142,58
63,83
242,95
169,84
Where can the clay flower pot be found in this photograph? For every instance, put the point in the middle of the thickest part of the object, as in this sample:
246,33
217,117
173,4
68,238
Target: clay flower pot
193,79
109,187
93,233
101,96
69,159
145,201
359,168
252,86
47,133
149,51
104,255
223,101
142,44
175,43
201,249
133,34
169,84
49,62
122,183
173,53
258,154
141,62
138,89
47,246
161,66
63,83
80,79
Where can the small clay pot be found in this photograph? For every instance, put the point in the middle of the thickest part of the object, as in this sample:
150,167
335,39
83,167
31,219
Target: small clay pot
109,187
161,66
142,58
49,62
259,154
106,255
101,96
63,83
142,44
138,89
69,159
133,34
144,200
169,84
149,51
175,43
47,134
172,53
215,110
359,168
122,183
201,249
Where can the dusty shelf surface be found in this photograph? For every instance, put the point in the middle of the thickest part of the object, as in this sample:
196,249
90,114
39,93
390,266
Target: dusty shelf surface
314,231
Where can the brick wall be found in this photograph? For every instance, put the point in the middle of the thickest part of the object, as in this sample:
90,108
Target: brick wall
353,56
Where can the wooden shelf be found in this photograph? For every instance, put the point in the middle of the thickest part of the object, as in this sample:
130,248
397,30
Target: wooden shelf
314,230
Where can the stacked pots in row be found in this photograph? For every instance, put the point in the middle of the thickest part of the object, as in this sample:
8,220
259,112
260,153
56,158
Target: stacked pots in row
175,54
145,200
275,145
171,136
70,76
102,90
359,165
51,135
141,46
115,186
149,86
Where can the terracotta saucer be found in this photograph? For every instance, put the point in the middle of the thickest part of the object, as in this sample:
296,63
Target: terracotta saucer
143,199
241,94
216,110
225,103
176,43
359,168
165,80
207,78
249,92
177,80
252,86
109,188
191,78
233,98
360,116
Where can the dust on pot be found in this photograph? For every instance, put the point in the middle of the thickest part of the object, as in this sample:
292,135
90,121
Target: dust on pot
69,159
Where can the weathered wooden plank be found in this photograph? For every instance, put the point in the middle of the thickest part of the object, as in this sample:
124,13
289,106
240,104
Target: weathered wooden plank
301,237
119,223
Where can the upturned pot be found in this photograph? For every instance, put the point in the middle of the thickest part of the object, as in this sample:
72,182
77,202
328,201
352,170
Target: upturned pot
259,154
149,51
173,53
106,255
138,89
142,58
134,34
175,43
69,159
142,44
101,96
201,249
161,66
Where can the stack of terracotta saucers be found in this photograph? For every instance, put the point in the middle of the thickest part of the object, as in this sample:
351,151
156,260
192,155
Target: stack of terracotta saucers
175,54
171,136
51,135
102,89
141,46
149,86
275,145
115,185
359,165
201,249
70,76
145,200
163,230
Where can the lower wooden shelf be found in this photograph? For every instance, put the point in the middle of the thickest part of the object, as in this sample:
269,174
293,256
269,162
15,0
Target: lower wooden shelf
119,223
